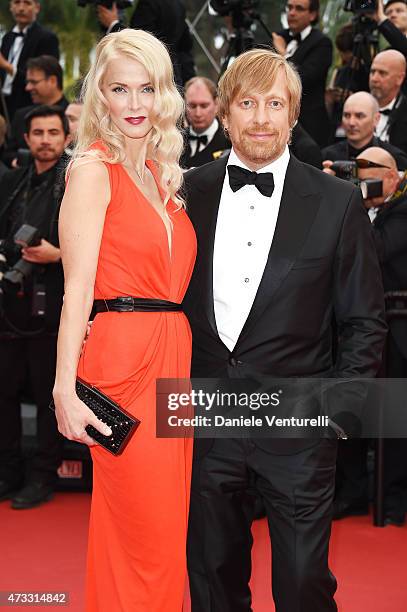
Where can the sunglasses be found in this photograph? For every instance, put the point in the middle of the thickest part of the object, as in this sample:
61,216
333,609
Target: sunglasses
365,163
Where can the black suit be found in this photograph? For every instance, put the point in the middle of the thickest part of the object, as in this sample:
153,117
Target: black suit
398,125
343,150
304,148
313,58
212,150
321,250
38,41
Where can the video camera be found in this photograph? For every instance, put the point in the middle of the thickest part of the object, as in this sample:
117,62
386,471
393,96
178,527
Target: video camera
348,171
228,7
361,7
121,4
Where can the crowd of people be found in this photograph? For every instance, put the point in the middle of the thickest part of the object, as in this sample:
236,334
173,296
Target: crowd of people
360,116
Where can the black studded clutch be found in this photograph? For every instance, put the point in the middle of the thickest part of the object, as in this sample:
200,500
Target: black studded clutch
122,424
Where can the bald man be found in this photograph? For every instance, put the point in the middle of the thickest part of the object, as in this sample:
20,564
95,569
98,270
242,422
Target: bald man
388,213
360,117
386,78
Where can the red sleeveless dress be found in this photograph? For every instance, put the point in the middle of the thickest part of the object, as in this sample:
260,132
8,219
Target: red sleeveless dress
139,514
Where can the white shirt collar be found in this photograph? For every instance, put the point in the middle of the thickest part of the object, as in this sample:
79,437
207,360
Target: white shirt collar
17,30
209,132
389,105
305,32
278,167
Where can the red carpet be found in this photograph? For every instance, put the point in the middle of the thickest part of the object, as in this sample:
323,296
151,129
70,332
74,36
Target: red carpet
44,550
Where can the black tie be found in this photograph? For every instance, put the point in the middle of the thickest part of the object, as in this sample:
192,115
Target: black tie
238,177
296,37
18,34
386,111
199,139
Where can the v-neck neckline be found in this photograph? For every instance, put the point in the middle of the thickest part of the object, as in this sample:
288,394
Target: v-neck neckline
150,166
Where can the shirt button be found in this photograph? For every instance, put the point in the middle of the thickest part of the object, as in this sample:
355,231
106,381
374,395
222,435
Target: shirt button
251,207
233,362
249,243
246,280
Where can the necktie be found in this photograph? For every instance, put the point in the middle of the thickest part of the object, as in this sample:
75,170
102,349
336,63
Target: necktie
199,139
238,177
386,111
18,34
296,37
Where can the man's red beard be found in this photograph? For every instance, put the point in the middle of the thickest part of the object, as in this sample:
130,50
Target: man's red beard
259,152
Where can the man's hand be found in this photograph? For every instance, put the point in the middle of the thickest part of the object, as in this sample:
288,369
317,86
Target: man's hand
107,16
279,43
5,65
379,15
45,253
327,167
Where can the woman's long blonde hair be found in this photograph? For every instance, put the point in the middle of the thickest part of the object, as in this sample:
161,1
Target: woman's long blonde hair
165,140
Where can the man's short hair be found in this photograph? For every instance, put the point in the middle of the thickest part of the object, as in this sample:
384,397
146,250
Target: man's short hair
314,6
49,65
46,111
256,70
387,4
211,86
344,38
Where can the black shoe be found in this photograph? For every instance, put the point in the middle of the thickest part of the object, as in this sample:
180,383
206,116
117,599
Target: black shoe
343,508
31,495
8,489
395,517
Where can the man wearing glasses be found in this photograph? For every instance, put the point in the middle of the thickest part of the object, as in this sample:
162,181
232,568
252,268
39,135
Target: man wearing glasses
311,52
27,39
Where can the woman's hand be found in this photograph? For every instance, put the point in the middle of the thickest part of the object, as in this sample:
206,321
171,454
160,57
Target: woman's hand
73,416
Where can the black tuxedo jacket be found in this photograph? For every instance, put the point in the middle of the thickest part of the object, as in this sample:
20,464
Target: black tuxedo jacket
38,41
398,125
390,231
313,58
322,266
217,145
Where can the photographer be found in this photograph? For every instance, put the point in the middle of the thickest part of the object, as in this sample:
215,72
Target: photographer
32,300
394,34
166,20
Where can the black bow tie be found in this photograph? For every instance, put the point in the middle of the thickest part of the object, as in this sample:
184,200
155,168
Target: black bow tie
296,37
386,111
199,139
238,177
18,34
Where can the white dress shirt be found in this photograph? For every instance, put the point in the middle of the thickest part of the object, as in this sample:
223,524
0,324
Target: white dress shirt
383,125
293,44
209,132
13,58
244,233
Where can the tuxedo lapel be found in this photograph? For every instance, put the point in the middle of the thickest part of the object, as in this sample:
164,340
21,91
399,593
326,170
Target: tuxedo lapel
209,190
305,46
299,205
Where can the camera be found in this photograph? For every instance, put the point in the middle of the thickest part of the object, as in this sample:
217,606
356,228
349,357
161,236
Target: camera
348,171
26,236
121,4
361,7
228,7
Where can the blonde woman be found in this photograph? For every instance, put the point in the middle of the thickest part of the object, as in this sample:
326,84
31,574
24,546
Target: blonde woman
124,233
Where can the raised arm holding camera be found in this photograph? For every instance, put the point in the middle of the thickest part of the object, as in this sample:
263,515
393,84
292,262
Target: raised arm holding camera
32,291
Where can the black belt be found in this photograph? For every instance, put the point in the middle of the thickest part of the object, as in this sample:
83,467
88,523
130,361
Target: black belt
132,304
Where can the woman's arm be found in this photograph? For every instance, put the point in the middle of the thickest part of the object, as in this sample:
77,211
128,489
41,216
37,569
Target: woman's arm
81,223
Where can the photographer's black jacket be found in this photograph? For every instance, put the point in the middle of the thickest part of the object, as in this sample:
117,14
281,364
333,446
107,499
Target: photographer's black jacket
26,197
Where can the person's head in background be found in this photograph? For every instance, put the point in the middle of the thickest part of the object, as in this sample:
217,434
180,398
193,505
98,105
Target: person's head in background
46,135
201,103
344,43
360,117
24,12
73,113
396,11
44,80
387,74
384,169
301,14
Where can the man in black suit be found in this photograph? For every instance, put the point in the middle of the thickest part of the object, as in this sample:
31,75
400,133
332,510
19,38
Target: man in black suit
311,52
281,251
205,139
27,39
387,74
31,310
360,117
45,84
166,20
